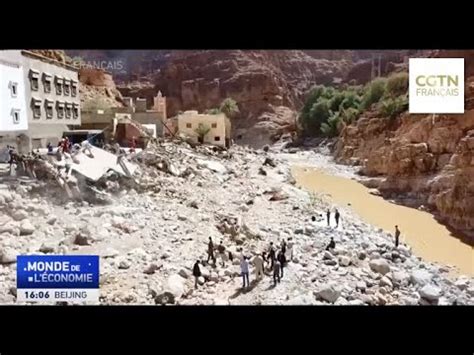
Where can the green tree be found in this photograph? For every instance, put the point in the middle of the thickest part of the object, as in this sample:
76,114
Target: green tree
229,107
392,107
331,127
374,91
397,84
201,131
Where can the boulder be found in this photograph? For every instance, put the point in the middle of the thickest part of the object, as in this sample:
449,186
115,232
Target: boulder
81,239
344,260
356,303
362,255
462,283
52,220
328,293
430,292
176,285
19,215
150,270
183,273
26,228
385,281
327,255
470,291
420,277
47,248
361,286
165,298
205,272
124,264
400,277
380,266
8,256
201,280
404,250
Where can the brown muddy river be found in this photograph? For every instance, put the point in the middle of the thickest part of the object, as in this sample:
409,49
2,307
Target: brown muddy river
428,238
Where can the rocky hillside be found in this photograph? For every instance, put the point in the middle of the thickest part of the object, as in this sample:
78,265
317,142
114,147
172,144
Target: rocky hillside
268,85
427,159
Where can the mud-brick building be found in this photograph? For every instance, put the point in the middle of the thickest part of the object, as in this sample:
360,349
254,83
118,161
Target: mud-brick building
217,127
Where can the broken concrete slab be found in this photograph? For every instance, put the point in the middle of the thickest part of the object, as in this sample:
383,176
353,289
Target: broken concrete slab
103,161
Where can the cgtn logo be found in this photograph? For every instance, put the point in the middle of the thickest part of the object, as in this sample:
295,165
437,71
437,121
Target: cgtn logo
436,85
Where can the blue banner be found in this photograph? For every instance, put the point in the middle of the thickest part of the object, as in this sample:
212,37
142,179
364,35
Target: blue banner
57,271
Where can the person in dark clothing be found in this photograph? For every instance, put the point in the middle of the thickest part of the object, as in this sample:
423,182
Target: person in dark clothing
397,236
283,246
210,251
282,259
221,251
231,257
196,273
50,148
271,255
313,219
276,272
332,244
337,215
328,216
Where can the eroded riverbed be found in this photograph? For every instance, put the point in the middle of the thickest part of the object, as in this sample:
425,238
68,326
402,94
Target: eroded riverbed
428,238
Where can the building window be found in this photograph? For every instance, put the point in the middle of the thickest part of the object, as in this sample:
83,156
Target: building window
66,87
14,88
217,138
189,125
68,110
214,125
16,116
73,88
36,105
49,109
75,111
34,80
60,109
47,83
59,85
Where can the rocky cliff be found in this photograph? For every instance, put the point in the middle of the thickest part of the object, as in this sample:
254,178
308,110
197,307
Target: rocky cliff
427,159
269,86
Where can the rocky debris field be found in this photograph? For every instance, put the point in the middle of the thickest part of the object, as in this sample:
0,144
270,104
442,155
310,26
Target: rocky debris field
152,228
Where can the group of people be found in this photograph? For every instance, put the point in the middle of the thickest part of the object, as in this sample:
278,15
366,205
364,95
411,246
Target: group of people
273,260
337,215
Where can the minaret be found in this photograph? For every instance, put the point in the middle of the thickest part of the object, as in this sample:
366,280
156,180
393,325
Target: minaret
159,104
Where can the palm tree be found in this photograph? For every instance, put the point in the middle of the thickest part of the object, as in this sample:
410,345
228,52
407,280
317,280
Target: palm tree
229,107
201,131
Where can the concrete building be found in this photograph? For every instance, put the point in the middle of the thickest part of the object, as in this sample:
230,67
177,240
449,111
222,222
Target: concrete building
13,110
51,91
135,111
218,127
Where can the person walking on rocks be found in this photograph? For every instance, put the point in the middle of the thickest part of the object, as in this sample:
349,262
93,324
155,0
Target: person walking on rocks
244,269
290,249
282,260
337,215
276,272
283,246
328,217
210,251
397,236
331,245
271,255
222,255
196,273
258,262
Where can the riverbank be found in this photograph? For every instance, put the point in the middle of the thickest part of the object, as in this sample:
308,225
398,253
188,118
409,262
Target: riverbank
151,234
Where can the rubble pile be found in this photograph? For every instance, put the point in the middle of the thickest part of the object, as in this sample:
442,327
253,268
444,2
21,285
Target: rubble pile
160,218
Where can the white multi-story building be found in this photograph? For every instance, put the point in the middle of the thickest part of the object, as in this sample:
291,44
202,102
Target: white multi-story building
50,95
13,110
